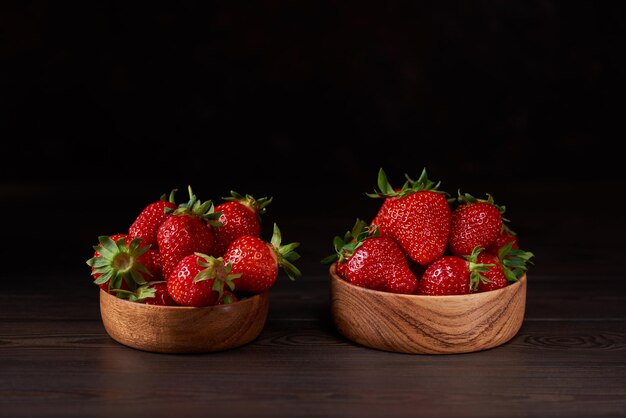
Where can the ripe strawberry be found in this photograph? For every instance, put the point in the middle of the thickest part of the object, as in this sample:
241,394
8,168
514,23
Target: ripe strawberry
151,293
258,261
147,223
152,260
117,263
495,277
505,236
239,216
366,259
452,275
475,223
509,264
198,280
160,296
188,230
417,216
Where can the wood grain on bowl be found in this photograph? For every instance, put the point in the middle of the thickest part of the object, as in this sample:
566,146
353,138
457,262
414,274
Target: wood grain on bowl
178,329
427,324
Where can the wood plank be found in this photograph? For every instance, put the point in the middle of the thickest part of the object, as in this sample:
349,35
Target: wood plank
304,368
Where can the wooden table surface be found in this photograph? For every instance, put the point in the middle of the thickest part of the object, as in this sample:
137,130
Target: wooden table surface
568,359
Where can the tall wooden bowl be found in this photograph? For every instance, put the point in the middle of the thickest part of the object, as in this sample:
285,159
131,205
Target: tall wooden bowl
179,329
427,324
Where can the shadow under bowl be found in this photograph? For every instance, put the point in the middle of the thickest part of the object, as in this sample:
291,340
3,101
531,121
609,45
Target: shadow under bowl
421,324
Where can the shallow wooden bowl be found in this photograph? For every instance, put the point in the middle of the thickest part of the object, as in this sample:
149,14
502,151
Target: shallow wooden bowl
180,329
427,324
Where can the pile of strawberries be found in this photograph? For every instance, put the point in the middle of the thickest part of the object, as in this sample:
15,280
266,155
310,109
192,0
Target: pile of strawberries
423,242
193,254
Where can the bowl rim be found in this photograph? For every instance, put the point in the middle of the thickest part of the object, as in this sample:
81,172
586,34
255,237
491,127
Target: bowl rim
334,276
137,305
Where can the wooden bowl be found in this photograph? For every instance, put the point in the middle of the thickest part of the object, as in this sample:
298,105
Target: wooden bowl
427,324
181,329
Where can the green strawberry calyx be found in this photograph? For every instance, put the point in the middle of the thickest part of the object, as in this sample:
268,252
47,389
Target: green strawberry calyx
117,262
466,198
214,268
476,269
227,299
410,186
170,198
285,254
514,261
506,230
347,245
194,207
140,294
258,206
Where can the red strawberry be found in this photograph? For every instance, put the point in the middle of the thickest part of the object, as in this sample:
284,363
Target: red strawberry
417,216
239,216
160,297
475,223
151,293
375,262
147,223
198,280
509,264
152,260
495,277
505,236
258,261
117,263
416,268
188,230
452,275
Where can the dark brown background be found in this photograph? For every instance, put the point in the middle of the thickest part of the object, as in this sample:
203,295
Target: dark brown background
106,106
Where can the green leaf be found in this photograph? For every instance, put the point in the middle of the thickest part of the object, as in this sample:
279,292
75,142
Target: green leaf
292,256
292,271
104,277
172,193
101,262
116,281
108,244
285,249
510,275
145,292
383,183
137,277
338,243
206,274
276,237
